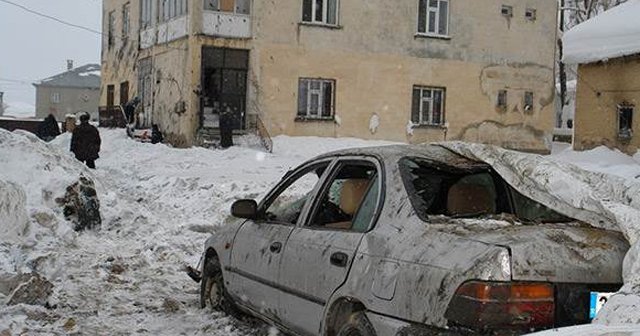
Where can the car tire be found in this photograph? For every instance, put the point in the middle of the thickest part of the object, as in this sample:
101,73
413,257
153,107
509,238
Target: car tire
357,325
213,293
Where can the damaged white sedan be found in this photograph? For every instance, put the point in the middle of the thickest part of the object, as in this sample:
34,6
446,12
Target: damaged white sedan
407,240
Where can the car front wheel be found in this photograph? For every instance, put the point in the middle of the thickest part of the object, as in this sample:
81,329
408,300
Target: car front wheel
357,325
212,290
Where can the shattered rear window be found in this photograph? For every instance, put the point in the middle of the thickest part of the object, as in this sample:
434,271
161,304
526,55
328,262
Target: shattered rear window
435,189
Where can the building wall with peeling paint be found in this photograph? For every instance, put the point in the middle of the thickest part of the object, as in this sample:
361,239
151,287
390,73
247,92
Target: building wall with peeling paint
602,87
376,58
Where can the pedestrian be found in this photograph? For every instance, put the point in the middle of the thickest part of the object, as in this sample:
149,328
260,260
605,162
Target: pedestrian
85,142
226,128
156,135
48,128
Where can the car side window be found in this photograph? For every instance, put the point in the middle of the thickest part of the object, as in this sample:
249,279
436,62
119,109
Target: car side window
346,204
287,205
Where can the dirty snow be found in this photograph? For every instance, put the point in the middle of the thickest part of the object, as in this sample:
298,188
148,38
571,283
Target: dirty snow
611,34
158,204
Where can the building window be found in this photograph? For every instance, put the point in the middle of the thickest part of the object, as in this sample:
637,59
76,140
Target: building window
433,17
625,120
231,6
124,93
316,98
428,106
111,29
170,9
320,11
125,21
55,97
528,101
507,11
502,99
146,13
530,14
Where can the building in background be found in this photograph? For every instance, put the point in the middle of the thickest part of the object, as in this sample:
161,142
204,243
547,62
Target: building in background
405,70
75,90
607,51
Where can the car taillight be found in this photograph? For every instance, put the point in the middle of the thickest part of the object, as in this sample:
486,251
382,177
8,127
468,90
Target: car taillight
484,305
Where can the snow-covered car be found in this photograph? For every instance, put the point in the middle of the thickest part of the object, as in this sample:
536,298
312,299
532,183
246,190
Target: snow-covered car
593,330
406,240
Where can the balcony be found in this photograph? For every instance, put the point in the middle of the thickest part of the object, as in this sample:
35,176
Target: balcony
164,32
226,24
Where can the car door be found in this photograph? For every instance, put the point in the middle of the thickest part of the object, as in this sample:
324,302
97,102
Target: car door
258,244
320,250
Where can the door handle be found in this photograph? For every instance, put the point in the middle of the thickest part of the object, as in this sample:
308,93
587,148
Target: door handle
339,259
275,247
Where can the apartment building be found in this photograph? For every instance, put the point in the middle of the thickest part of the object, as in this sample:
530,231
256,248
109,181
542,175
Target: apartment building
407,70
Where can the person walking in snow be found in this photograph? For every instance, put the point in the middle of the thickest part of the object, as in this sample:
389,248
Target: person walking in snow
48,128
85,142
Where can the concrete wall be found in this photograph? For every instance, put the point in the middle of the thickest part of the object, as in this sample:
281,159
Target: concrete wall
72,100
376,57
601,88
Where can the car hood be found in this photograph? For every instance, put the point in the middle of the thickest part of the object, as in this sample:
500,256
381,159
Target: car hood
562,253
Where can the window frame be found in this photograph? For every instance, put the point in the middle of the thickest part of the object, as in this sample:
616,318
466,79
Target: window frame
146,13
528,100
530,14
625,134
329,176
321,99
289,179
55,97
429,122
325,14
424,31
111,27
502,99
126,20
168,10
235,8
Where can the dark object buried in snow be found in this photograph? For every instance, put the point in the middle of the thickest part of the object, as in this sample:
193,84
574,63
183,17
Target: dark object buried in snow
31,289
81,205
400,239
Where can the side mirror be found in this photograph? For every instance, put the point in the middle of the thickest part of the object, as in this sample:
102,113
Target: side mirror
245,208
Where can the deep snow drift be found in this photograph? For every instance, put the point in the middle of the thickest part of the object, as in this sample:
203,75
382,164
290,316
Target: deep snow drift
611,34
158,205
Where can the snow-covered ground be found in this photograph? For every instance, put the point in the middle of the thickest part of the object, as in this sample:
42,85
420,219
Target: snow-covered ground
158,205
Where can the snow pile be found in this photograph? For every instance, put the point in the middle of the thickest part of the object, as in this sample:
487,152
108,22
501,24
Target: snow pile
19,109
159,204
612,34
599,199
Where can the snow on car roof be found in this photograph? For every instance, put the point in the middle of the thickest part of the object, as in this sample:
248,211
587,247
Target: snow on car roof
614,33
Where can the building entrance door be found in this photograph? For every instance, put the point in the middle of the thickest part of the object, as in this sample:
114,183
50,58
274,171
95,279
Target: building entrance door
224,87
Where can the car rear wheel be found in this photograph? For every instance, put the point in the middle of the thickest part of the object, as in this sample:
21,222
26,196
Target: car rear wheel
357,325
212,291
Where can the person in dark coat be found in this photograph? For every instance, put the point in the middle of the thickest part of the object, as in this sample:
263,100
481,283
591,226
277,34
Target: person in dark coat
156,135
85,142
48,128
226,128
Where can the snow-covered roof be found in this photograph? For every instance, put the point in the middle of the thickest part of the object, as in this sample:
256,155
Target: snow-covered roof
614,33
86,76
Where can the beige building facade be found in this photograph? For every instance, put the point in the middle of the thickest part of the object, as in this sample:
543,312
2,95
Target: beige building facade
607,96
74,91
408,70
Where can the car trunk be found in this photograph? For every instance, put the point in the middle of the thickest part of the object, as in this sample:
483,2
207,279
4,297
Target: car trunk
577,260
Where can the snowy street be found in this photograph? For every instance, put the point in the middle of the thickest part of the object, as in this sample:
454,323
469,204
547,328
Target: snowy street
158,206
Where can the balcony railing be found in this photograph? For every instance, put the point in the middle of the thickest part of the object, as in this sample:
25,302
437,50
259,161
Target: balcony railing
226,24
